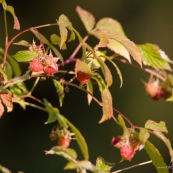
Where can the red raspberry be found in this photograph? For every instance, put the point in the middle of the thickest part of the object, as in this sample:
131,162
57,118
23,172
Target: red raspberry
127,152
83,77
64,142
50,70
36,65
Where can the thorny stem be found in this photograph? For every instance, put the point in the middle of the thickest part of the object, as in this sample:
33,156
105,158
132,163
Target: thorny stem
140,164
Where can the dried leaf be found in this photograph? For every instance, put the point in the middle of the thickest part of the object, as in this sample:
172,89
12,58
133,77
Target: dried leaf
7,101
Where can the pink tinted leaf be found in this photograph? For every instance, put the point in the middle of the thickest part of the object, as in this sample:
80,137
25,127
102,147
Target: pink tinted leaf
87,18
16,21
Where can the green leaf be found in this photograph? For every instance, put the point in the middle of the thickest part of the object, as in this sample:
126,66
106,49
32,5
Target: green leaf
60,91
117,69
67,153
25,55
14,64
87,18
167,142
64,23
122,123
143,135
54,115
152,125
56,40
82,165
106,72
156,158
106,105
103,166
80,139
151,57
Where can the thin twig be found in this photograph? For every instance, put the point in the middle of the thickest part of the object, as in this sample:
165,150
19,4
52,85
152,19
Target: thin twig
134,166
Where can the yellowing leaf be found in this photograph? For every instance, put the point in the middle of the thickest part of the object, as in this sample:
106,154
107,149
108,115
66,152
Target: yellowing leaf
106,105
87,18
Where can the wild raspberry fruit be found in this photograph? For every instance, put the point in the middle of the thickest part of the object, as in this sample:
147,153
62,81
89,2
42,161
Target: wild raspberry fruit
36,65
64,142
127,152
154,90
50,70
83,77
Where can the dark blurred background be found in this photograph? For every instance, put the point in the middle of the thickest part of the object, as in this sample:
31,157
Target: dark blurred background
23,134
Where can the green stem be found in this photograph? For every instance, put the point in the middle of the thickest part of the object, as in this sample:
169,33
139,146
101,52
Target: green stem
35,106
35,84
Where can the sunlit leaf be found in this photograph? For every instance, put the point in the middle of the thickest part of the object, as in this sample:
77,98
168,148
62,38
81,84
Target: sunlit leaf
152,125
67,153
80,139
25,55
103,166
110,25
106,105
82,66
131,47
151,57
60,91
143,135
87,18
156,158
